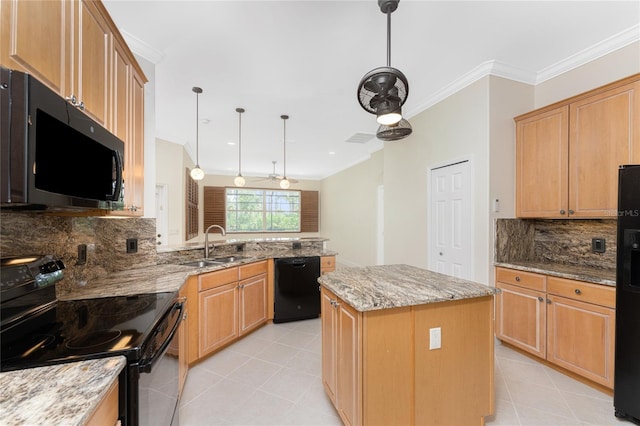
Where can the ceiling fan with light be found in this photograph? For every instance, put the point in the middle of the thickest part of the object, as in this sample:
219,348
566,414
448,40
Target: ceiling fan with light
274,177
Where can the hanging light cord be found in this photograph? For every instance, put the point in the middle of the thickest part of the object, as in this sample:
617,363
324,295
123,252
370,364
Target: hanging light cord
284,144
239,143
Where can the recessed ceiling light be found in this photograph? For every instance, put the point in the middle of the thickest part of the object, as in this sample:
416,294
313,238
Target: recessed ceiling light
332,153
231,143
205,121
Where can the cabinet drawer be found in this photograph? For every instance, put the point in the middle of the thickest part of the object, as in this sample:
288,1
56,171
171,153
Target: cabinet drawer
217,278
253,269
585,292
522,279
327,262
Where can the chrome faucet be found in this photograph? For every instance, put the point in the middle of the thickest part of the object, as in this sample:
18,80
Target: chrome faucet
206,238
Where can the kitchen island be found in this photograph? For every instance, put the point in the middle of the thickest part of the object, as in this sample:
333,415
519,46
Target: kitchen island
404,345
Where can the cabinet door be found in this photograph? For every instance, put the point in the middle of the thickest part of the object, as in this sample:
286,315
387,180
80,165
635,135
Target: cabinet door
134,150
521,318
604,135
329,343
183,342
542,164
91,61
580,338
327,264
349,391
120,89
34,39
253,302
218,312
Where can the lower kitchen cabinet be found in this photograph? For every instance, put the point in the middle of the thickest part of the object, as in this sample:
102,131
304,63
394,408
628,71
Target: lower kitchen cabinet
327,264
230,303
567,322
106,413
341,357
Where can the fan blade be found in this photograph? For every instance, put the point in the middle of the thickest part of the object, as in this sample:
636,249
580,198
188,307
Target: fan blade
373,103
372,86
386,82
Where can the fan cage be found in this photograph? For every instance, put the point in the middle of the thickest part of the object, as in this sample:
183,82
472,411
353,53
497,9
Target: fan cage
396,132
365,95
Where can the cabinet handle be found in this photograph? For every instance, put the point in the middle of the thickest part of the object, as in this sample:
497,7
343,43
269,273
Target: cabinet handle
562,211
540,299
517,278
72,100
548,301
578,291
81,106
571,211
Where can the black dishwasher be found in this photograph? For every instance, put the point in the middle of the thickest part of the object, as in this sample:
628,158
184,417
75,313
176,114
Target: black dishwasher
297,292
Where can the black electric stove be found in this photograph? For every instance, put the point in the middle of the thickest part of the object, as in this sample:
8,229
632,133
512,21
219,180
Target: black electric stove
37,330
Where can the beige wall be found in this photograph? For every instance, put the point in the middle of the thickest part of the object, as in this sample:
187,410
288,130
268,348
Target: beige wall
349,211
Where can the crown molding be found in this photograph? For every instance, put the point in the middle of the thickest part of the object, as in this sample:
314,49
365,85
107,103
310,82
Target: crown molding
606,46
500,69
142,49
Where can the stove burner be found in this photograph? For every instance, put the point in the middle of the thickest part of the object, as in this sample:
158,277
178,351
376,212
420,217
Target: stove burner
122,308
26,349
92,340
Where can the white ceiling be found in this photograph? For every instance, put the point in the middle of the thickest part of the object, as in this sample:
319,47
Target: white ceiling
305,58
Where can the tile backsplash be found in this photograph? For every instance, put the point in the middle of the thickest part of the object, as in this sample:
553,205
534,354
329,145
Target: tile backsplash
556,241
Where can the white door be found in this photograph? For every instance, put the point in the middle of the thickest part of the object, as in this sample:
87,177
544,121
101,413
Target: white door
162,220
451,229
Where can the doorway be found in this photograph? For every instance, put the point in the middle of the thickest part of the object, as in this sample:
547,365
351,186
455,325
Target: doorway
162,219
450,230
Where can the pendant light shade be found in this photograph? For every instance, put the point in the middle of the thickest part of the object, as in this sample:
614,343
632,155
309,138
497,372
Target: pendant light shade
197,173
284,183
239,180
383,91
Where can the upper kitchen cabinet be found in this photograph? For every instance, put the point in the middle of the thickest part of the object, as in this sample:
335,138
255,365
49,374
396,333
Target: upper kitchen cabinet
567,154
74,47
65,44
35,38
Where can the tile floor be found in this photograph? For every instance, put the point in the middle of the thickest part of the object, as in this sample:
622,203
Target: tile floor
272,377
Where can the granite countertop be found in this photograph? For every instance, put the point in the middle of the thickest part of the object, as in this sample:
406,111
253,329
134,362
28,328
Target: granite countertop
63,394
167,277
391,286
572,272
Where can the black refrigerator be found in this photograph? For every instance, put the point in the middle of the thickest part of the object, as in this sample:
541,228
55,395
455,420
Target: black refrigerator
626,393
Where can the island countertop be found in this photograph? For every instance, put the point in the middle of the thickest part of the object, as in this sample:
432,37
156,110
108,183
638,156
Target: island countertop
392,286
63,394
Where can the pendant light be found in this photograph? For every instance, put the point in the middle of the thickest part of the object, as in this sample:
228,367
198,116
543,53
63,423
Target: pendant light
197,173
284,183
383,91
239,180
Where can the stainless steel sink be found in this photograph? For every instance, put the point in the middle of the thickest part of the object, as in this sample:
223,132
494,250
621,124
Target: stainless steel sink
229,259
202,263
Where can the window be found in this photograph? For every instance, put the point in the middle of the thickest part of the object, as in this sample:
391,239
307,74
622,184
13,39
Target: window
261,210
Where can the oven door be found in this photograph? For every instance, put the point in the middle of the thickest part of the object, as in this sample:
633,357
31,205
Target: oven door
157,375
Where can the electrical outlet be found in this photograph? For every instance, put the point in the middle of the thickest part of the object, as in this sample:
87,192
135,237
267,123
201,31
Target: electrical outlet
435,338
296,246
82,254
132,245
598,245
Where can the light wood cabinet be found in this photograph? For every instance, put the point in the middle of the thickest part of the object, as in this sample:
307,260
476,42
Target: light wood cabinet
521,310
566,322
327,264
106,414
231,303
377,367
183,342
567,154
74,47
36,38
341,357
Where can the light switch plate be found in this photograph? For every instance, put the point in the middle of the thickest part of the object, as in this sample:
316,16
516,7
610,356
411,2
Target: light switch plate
435,339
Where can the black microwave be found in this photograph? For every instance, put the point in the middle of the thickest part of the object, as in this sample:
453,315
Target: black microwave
53,156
